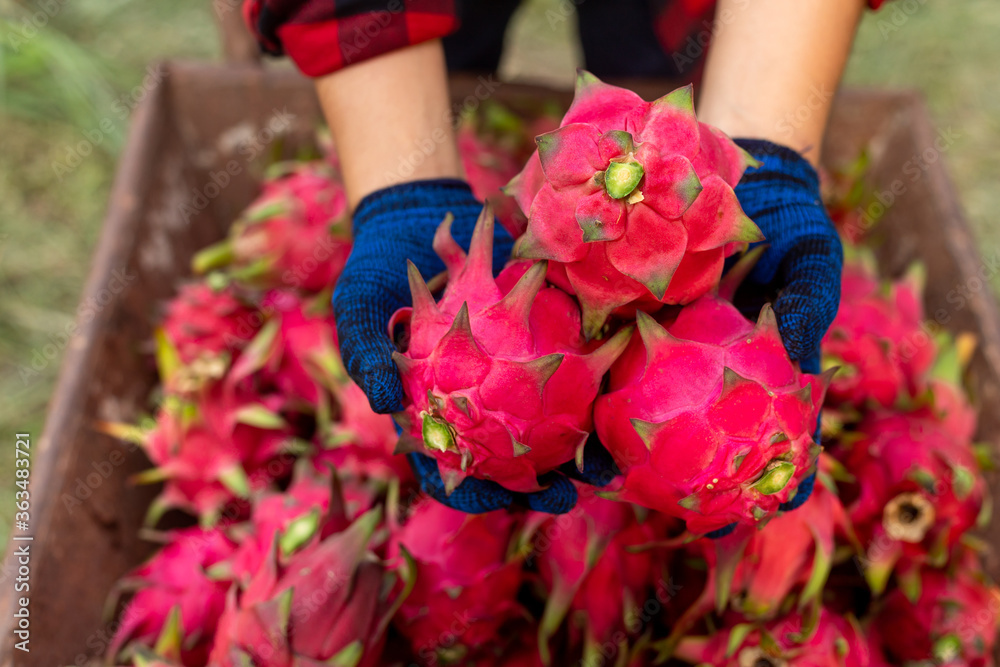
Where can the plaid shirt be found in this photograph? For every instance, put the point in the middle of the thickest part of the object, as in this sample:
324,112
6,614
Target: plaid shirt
322,36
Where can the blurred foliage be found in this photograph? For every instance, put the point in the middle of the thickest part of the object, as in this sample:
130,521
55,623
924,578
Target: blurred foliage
949,51
66,69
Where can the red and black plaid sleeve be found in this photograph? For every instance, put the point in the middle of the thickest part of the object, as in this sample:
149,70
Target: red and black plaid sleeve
323,36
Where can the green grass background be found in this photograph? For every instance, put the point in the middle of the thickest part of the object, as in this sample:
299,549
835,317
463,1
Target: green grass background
61,80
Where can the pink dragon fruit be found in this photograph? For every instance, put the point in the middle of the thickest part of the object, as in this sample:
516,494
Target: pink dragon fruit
790,641
296,234
292,353
360,443
947,401
489,165
634,201
848,197
468,571
175,581
755,571
205,324
523,653
150,658
949,619
295,357
499,383
918,491
356,441
792,554
326,605
877,339
207,453
708,419
310,509
590,574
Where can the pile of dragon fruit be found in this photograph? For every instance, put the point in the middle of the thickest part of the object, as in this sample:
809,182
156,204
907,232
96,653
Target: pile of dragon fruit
312,544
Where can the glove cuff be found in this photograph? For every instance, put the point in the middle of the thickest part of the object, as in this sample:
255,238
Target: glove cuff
428,195
782,196
779,162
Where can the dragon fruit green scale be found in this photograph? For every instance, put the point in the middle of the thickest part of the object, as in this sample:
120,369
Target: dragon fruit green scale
499,382
708,419
632,201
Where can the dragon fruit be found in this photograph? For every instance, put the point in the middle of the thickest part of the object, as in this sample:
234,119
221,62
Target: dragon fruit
755,571
150,658
848,199
947,401
877,339
224,446
205,328
793,553
291,354
949,619
355,440
310,509
295,357
468,571
326,605
498,381
589,572
489,161
487,167
790,641
175,581
523,652
360,442
708,419
295,234
918,491
632,201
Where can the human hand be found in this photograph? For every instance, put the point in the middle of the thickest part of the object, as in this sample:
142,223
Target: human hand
801,263
479,495
392,226
803,258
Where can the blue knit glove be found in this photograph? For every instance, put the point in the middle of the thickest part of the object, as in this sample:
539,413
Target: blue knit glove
801,264
391,226
476,495
803,258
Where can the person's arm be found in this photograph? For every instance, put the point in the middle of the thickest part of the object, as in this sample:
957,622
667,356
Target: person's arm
772,71
390,119
774,66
